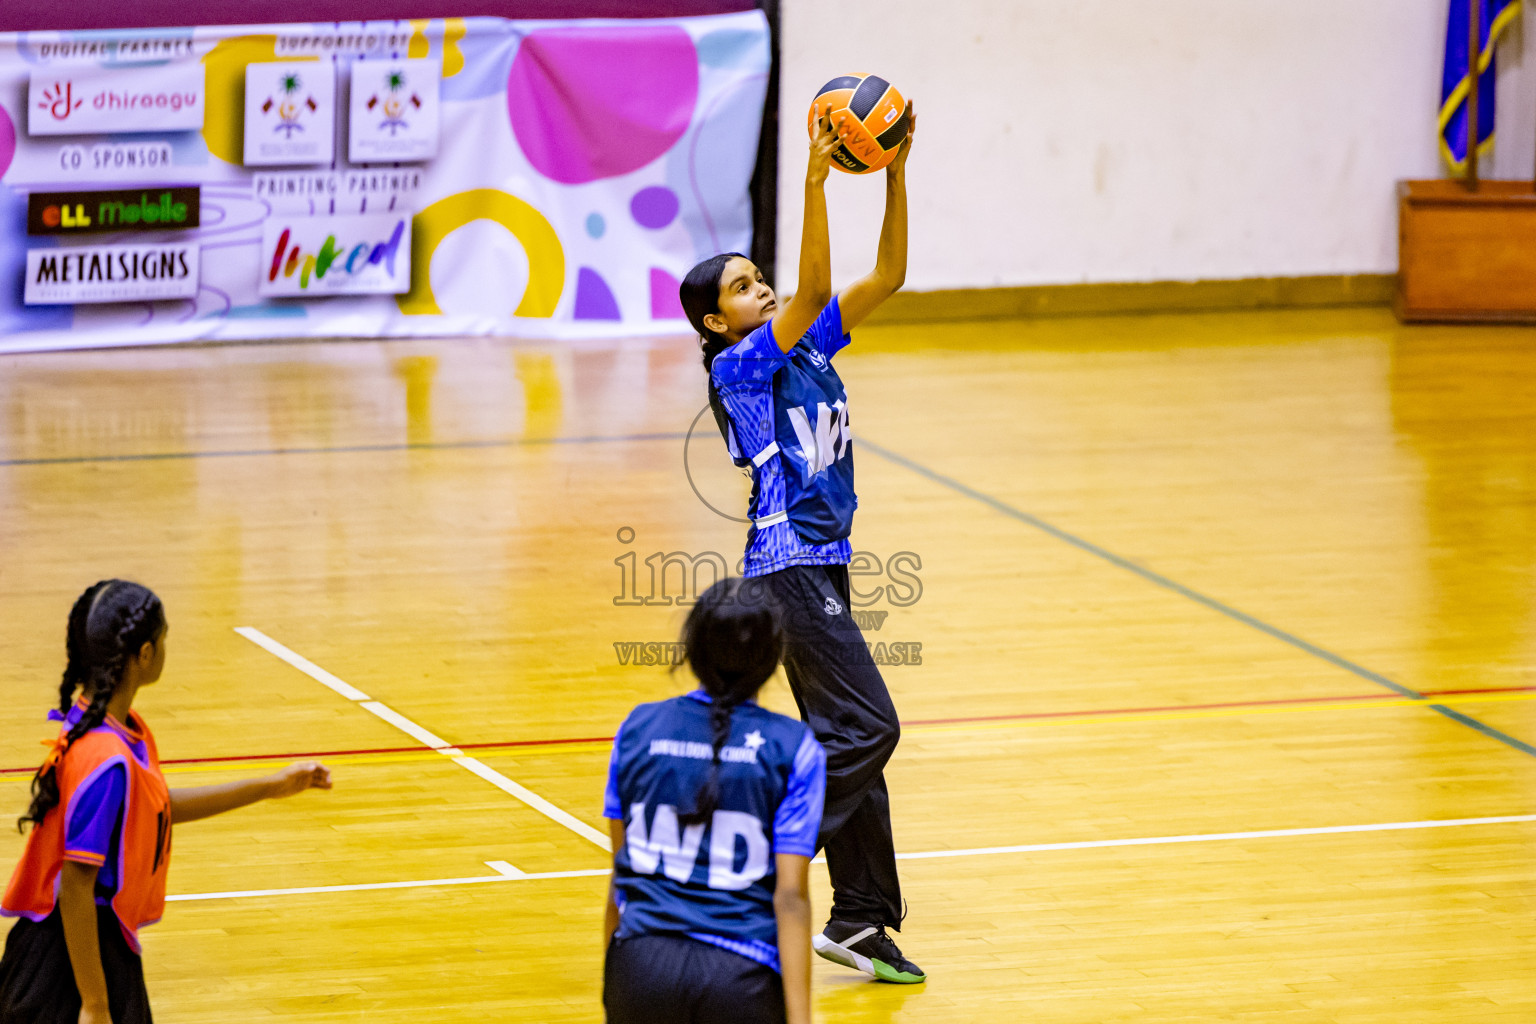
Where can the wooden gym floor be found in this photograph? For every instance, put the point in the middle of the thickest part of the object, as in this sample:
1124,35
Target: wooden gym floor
1225,707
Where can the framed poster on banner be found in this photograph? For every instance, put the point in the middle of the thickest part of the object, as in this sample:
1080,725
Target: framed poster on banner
111,273
393,113
290,113
94,212
354,255
81,99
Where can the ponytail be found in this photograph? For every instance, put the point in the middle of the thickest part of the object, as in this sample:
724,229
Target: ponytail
109,623
708,796
733,643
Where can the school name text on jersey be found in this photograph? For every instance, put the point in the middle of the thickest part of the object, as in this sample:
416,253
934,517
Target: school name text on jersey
702,751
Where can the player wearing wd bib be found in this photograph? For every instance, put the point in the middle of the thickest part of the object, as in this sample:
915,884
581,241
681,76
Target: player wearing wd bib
783,411
712,881
713,805
93,871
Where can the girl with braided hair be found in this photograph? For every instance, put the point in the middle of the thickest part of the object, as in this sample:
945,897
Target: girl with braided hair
93,871
713,804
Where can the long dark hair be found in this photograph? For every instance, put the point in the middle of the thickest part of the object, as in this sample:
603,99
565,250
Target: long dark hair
733,642
110,623
700,296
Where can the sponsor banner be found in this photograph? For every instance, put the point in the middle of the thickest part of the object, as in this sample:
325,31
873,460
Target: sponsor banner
557,204
111,273
76,213
85,100
394,111
290,113
352,191
350,255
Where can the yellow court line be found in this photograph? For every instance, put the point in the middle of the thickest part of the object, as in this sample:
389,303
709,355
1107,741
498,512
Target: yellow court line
1086,718
401,757
265,764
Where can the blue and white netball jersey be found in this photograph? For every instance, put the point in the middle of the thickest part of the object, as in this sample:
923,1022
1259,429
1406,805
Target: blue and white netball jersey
789,421
712,881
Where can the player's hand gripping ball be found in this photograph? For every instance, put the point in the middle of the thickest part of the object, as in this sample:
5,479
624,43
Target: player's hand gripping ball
871,117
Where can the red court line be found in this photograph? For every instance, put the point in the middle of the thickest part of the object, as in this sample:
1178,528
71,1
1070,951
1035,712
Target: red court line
1021,717
312,754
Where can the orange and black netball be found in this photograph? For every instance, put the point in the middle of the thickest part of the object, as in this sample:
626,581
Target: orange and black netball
875,116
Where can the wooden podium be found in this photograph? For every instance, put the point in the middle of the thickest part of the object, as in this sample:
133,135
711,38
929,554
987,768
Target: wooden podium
1466,255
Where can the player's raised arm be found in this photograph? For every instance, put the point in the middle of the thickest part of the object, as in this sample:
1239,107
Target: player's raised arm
814,289
859,299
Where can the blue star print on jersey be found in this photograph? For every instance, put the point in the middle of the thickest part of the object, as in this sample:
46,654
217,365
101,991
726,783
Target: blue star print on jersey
713,881
788,416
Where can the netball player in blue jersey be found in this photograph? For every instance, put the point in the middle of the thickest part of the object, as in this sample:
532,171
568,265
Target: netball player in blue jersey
713,804
784,414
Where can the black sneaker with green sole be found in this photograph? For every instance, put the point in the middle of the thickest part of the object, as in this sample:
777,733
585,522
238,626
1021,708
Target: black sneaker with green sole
867,948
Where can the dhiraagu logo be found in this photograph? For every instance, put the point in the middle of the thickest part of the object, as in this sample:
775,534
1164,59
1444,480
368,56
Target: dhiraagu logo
59,100
362,255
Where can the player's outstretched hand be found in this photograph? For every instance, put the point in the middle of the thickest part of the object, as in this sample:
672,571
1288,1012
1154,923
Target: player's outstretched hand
296,778
899,161
822,147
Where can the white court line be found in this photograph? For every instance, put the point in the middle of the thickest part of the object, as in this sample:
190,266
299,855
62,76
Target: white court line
530,798
301,663
507,873
430,739
504,868
404,724
427,883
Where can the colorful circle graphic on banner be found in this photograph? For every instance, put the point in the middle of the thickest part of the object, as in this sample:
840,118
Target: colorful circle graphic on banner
7,140
224,82
654,207
665,303
594,299
591,103
546,257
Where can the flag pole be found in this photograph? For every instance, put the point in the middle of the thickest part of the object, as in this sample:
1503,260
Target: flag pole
1474,51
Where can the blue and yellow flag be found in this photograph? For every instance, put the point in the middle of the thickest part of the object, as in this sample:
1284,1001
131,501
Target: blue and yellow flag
1496,15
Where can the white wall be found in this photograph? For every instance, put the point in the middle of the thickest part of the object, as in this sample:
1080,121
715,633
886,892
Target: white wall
1137,140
